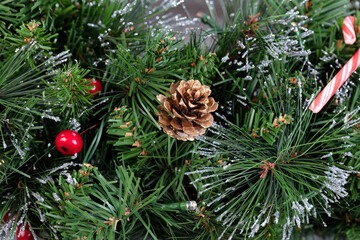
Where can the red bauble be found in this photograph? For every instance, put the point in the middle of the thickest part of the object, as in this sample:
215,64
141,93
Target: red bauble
68,142
24,235
96,86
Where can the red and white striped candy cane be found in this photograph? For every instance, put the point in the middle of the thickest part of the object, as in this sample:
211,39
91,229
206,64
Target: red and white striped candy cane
344,73
348,30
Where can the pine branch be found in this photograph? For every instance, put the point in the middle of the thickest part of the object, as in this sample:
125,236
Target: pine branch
69,89
294,167
99,208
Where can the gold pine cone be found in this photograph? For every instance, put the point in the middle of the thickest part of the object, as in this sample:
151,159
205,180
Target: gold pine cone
190,106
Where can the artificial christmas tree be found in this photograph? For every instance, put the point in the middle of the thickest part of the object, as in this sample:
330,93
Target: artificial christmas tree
161,158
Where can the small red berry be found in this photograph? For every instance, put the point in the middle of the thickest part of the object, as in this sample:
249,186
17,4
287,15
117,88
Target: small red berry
96,86
25,234
7,216
68,142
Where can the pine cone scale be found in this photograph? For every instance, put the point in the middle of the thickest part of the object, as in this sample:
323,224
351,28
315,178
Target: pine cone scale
164,118
203,101
167,106
190,117
205,118
188,127
191,105
201,109
212,105
182,91
176,123
176,114
161,98
207,123
183,105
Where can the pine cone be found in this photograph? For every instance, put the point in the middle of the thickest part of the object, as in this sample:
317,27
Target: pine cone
191,108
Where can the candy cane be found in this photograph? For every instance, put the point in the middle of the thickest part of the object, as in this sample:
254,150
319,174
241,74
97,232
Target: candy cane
344,73
348,30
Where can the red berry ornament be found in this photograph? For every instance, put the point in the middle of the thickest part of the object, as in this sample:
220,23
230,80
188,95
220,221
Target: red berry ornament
68,142
25,234
7,215
96,86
